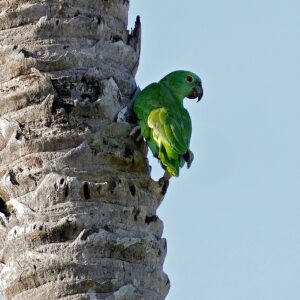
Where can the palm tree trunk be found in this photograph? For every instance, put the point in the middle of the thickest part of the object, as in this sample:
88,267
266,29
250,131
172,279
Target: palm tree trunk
77,204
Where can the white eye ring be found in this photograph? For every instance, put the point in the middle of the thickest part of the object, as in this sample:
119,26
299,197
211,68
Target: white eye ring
189,79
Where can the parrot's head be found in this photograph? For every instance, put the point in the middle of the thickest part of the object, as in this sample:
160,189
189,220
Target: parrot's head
184,84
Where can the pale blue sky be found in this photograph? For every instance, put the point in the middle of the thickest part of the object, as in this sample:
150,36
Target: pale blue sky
232,221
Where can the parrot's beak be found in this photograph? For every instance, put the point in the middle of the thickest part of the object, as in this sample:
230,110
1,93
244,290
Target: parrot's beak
197,92
200,92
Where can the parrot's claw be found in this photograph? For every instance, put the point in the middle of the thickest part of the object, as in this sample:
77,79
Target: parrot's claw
136,130
167,175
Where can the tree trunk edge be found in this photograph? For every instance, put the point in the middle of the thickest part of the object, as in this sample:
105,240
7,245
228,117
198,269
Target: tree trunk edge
78,206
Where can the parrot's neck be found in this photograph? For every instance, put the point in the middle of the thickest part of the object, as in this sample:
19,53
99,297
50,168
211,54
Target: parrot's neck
175,96
178,99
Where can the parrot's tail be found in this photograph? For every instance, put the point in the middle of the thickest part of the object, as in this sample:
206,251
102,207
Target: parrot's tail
170,164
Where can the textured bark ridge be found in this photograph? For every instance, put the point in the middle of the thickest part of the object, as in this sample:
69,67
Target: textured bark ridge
77,204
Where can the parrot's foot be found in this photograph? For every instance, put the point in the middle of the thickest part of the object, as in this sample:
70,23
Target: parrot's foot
167,175
164,182
134,131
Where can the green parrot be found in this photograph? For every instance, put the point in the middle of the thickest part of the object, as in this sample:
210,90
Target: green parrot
164,122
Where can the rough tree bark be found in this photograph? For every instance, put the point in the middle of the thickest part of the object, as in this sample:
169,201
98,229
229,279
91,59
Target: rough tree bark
78,206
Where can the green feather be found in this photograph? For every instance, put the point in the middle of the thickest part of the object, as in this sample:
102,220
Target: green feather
165,123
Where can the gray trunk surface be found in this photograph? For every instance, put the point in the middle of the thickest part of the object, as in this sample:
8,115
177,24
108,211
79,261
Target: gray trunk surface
77,203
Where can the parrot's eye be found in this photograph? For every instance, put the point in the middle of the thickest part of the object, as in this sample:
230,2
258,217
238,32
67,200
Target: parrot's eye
189,78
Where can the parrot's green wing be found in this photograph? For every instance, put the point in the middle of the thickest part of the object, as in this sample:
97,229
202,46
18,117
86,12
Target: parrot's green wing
170,129
149,99
165,123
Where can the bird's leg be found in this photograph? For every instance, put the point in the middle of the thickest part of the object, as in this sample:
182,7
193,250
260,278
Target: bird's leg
167,175
135,130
